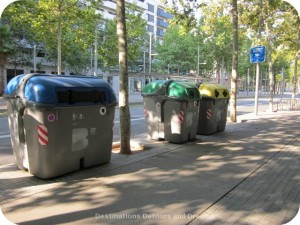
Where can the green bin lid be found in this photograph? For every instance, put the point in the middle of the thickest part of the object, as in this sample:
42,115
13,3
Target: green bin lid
154,88
170,88
214,91
182,89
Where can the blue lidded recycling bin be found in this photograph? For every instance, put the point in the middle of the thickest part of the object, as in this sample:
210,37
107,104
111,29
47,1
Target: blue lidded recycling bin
60,124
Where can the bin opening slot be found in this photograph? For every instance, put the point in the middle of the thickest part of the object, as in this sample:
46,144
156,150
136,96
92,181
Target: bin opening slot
73,97
191,94
225,93
216,93
81,163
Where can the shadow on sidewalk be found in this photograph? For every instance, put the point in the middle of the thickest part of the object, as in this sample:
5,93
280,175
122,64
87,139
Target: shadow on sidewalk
177,185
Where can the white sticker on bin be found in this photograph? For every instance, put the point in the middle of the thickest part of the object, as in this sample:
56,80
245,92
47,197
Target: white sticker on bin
51,117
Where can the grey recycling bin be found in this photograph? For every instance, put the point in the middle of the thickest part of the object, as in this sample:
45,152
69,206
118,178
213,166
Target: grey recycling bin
60,124
171,109
213,108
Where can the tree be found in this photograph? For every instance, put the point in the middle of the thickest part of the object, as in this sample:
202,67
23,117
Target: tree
216,25
234,61
123,67
184,13
6,43
136,35
177,50
59,27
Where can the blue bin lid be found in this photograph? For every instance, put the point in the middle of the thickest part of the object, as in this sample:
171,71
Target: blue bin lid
61,90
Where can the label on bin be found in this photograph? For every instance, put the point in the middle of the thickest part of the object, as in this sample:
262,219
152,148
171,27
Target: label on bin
51,117
176,122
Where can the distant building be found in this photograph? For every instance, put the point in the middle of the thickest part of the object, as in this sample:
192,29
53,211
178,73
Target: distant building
153,12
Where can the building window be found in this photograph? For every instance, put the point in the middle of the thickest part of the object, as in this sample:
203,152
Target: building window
150,18
110,81
164,14
150,8
11,73
150,28
63,73
162,23
38,71
41,54
160,32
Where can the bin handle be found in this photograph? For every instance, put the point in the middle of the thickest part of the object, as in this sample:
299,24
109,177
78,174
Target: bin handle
162,117
167,84
25,79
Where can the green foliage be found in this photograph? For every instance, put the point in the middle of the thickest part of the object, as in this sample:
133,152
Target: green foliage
179,51
39,21
279,32
184,14
36,21
6,42
136,35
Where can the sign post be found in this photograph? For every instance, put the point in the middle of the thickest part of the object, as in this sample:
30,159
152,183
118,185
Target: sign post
257,55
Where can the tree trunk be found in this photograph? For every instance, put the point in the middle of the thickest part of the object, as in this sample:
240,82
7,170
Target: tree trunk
271,85
123,66
296,64
269,57
234,62
1,77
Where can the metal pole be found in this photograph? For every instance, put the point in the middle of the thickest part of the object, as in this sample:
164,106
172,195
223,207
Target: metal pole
34,58
150,50
266,80
258,64
222,71
91,58
256,89
198,61
96,52
248,81
282,83
144,70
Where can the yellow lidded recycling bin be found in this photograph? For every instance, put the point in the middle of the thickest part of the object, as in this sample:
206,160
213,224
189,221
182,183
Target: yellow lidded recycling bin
213,108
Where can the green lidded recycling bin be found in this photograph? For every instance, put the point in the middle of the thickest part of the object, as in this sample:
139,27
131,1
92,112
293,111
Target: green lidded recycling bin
213,108
171,109
60,124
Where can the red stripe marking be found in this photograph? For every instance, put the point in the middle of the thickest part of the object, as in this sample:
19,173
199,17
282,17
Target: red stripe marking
208,114
42,140
181,116
43,130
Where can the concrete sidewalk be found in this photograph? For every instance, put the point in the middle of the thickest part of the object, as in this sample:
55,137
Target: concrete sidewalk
248,174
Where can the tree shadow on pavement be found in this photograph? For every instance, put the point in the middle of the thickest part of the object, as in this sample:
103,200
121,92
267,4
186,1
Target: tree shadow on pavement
246,174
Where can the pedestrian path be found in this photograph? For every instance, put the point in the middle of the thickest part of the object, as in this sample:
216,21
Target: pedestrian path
269,195
245,175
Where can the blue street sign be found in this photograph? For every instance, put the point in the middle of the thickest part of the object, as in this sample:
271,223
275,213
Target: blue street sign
258,54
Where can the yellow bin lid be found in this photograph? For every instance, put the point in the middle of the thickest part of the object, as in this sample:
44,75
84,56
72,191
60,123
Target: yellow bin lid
214,91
